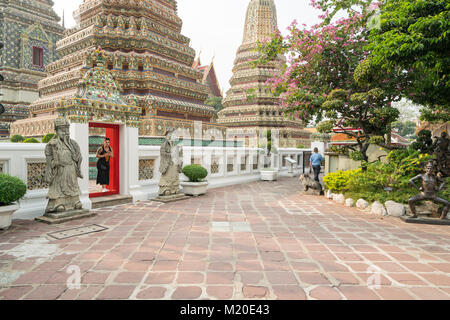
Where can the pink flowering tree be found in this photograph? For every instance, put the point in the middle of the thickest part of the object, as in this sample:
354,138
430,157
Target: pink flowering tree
328,78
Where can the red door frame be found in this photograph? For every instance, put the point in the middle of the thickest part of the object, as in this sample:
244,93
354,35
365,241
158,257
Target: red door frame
113,133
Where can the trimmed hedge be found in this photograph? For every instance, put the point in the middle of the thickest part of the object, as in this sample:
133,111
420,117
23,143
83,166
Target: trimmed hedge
17,138
48,137
11,189
195,172
338,182
31,140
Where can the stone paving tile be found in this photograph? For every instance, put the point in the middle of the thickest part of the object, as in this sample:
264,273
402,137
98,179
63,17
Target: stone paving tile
253,241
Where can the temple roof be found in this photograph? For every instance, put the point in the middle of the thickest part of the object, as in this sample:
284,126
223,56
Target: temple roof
209,77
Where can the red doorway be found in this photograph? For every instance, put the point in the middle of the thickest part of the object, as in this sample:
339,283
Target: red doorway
103,131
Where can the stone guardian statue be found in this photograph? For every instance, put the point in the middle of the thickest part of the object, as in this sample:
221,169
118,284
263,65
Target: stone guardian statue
62,172
170,167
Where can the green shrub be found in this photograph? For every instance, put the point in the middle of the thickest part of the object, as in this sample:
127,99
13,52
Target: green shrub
339,150
388,181
446,192
31,140
17,138
195,172
301,146
48,137
338,181
11,189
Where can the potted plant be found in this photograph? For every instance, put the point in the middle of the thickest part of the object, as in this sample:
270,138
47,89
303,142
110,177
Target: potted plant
269,173
11,190
195,186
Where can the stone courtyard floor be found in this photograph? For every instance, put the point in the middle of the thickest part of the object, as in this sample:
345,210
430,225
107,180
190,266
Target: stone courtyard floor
262,240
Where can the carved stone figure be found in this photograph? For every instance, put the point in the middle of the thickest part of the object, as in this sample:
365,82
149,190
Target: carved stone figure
170,167
310,186
431,185
63,170
441,147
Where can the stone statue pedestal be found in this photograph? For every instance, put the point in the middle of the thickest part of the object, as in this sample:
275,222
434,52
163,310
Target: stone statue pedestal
56,218
171,198
313,192
423,220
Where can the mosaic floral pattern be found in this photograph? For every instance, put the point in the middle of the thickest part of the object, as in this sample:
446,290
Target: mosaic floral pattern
35,177
215,165
256,162
230,165
146,169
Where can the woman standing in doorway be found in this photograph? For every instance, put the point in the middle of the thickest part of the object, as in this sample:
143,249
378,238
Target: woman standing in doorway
104,155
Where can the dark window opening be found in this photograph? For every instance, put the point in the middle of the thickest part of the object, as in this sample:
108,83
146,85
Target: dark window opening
125,67
140,67
110,66
38,57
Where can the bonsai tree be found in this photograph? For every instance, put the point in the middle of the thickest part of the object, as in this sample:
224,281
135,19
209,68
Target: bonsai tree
11,189
195,173
48,137
31,140
17,138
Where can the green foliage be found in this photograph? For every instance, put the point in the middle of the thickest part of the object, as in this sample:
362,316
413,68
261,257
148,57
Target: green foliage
446,192
17,138
338,181
376,140
372,184
406,128
424,142
412,43
339,150
325,127
317,136
195,172
31,140
215,102
11,189
48,137
301,146
356,156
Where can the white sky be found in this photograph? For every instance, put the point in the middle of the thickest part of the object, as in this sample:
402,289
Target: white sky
216,27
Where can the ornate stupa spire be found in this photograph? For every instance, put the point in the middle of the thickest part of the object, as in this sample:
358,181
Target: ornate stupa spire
260,22
250,115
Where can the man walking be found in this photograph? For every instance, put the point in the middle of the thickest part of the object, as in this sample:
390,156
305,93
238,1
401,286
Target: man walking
316,163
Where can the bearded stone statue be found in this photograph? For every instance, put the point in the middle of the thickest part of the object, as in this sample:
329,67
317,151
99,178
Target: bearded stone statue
170,168
63,170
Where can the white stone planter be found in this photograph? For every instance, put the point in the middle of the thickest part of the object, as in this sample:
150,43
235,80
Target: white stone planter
269,174
6,215
195,188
